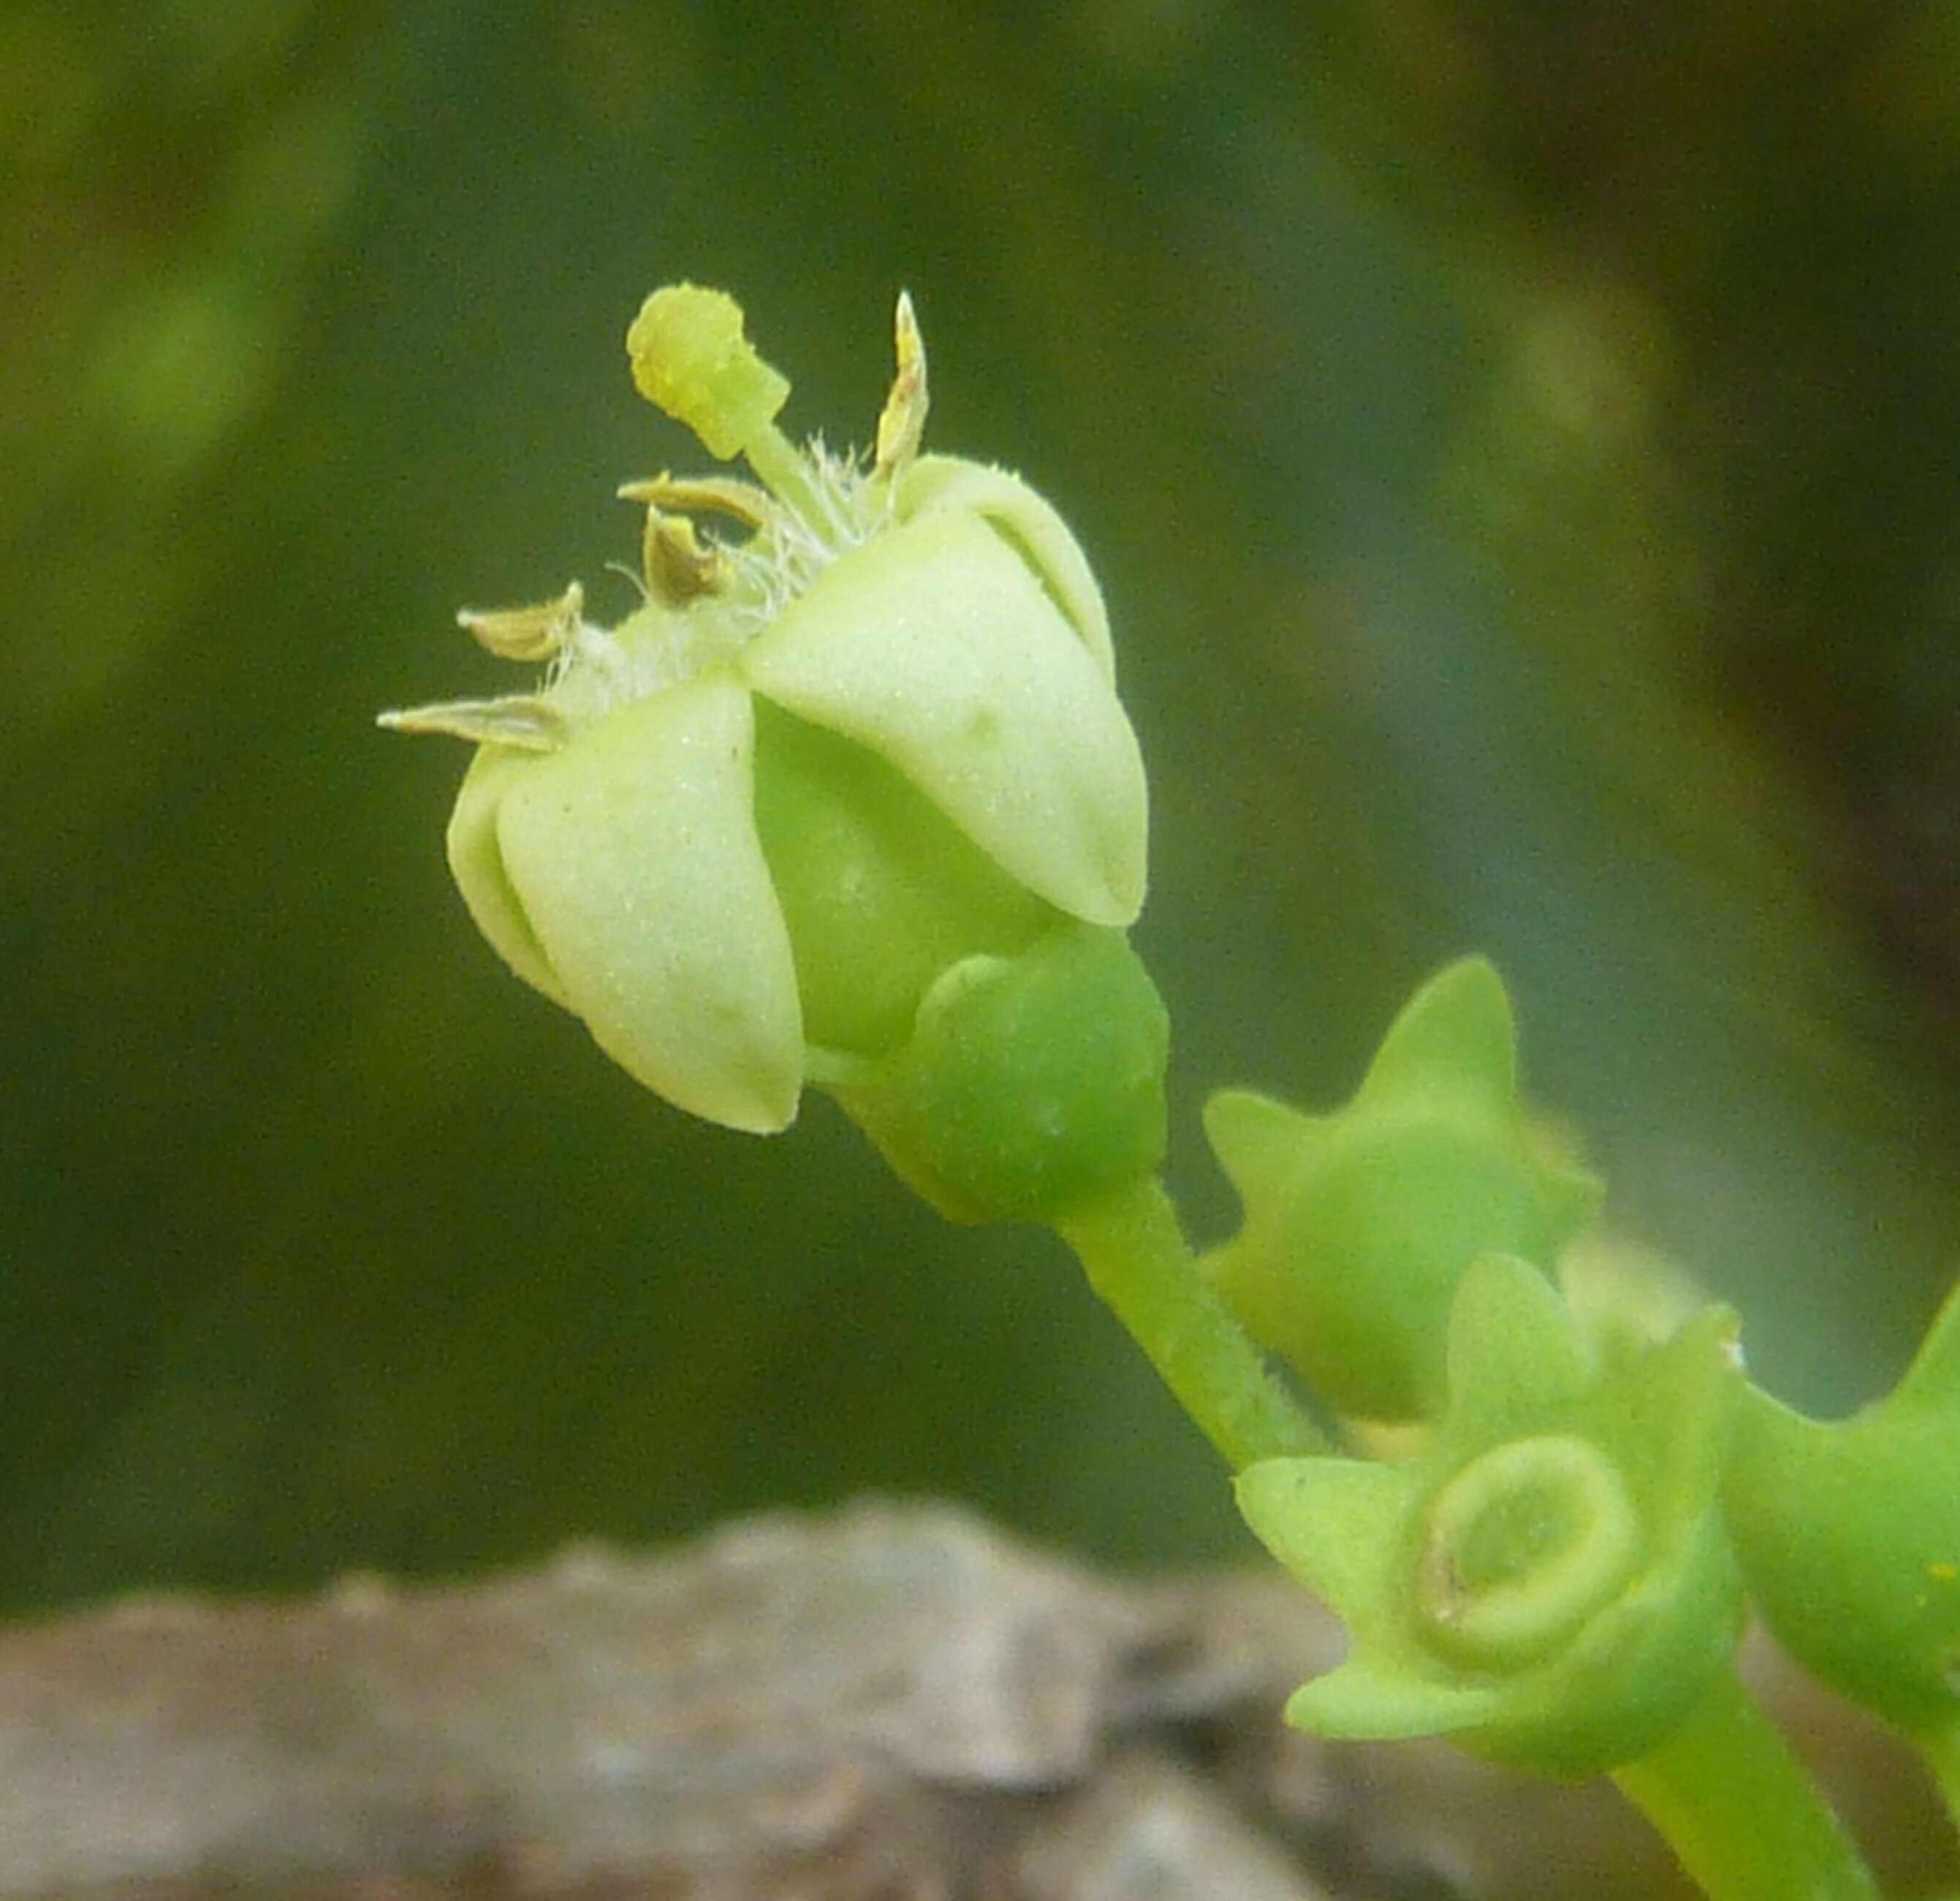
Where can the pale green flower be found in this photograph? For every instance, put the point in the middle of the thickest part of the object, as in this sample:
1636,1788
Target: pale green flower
739,833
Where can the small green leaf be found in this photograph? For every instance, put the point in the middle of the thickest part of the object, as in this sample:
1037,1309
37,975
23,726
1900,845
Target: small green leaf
1672,1412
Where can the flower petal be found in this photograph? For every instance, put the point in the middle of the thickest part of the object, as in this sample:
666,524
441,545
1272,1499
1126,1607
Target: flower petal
476,862
636,856
935,646
1029,524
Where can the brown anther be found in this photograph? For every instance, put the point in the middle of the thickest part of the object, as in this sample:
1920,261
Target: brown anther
521,720
679,565
526,633
903,422
719,494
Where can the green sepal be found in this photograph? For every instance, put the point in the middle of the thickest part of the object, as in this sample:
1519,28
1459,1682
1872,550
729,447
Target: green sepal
1031,1085
1365,1702
1358,1226
1334,1523
1455,1041
1849,1534
1548,1580
1514,1354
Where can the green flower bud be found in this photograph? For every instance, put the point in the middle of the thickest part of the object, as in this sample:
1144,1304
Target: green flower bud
871,734
1034,1084
1359,1225
1547,1582
1849,1534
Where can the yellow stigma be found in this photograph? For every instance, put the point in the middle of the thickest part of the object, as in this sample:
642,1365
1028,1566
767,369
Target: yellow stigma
691,359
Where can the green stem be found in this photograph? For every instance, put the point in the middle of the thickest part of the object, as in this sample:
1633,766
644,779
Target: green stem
1739,1811
1137,1260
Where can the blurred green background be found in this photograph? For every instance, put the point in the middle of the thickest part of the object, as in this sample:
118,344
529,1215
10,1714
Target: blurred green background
1518,444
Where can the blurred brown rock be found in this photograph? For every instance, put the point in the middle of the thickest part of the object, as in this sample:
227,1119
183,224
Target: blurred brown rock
894,1703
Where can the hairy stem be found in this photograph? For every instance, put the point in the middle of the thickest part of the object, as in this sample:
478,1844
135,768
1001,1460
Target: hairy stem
1739,1811
1138,1261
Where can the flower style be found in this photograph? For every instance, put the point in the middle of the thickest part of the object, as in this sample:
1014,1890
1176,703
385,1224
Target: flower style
1548,1581
741,833
1359,1225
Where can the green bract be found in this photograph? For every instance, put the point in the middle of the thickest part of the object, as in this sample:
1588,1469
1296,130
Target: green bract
1849,1534
1359,1225
742,833
1547,1581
